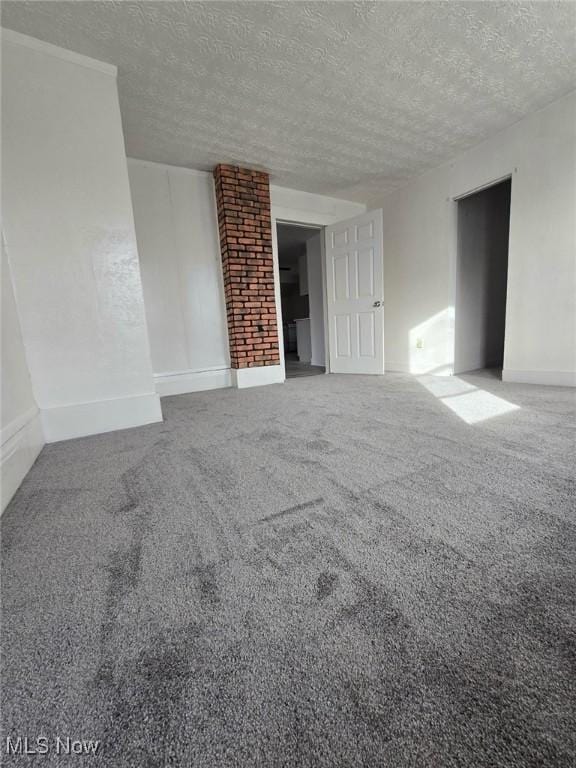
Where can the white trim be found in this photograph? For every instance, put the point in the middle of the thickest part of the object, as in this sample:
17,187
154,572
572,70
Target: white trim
182,382
481,187
392,367
308,218
325,301
454,255
258,377
82,419
547,378
22,441
404,368
310,208
25,41
302,217
187,371
277,293
167,167
16,424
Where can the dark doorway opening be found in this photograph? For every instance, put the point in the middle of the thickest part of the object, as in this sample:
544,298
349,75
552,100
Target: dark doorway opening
299,255
482,278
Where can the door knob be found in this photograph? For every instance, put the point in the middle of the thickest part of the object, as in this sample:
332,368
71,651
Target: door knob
377,304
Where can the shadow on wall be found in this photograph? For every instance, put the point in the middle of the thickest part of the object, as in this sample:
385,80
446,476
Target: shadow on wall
470,403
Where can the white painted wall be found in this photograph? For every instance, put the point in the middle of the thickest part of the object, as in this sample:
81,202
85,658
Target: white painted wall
420,251
21,431
417,275
177,232
316,297
71,242
481,278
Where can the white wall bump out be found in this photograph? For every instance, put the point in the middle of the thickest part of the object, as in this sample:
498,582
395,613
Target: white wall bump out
21,437
420,235
179,250
182,382
259,376
15,38
22,441
70,234
83,419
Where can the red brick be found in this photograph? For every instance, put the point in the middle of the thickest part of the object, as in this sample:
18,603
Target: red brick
244,225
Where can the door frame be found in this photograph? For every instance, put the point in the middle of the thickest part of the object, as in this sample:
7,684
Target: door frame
299,218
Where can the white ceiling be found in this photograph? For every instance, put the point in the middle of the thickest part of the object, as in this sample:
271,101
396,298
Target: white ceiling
342,98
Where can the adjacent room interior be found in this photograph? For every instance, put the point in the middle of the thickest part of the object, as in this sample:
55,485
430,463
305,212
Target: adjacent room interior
212,556
302,299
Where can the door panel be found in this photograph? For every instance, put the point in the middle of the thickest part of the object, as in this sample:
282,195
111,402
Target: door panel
355,291
341,277
365,273
342,332
366,335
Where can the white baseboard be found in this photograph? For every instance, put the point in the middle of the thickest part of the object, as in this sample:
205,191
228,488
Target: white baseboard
391,367
93,418
182,382
21,442
258,377
192,381
441,370
548,378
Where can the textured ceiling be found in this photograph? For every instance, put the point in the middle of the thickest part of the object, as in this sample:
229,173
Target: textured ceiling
342,98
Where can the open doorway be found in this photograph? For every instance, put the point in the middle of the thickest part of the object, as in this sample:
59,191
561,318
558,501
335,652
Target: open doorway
302,299
481,279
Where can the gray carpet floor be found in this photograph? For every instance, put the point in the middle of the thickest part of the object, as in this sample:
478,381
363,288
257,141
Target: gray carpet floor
337,571
295,368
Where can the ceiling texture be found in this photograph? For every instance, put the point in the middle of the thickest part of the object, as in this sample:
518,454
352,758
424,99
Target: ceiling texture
348,99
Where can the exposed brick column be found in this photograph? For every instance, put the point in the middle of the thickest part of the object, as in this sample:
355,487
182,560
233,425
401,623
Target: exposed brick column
243,200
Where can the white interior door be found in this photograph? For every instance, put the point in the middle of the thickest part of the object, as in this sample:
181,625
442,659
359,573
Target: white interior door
355,294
